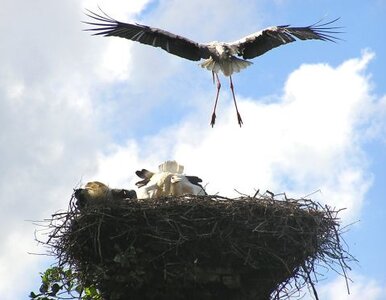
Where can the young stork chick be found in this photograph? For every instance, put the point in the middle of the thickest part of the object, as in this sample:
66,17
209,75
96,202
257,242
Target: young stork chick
96,191
93,191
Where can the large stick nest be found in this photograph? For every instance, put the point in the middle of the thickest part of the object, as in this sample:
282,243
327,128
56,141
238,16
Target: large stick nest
198,247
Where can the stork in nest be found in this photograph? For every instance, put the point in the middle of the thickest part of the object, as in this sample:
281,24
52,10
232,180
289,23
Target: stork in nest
169,181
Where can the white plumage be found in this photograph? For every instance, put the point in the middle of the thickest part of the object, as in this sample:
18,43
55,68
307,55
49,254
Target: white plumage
169,181
180,185
226,62
158,186
171,166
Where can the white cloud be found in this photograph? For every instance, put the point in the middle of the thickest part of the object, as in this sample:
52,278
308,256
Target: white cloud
205,21
360,288
18,268
47,144
119,8
116,60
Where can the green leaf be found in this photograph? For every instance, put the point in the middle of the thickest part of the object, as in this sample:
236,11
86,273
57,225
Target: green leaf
91,293
58,279
55,289
45,278
43,288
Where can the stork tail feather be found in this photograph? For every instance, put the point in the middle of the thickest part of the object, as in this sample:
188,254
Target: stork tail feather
171,166
228,67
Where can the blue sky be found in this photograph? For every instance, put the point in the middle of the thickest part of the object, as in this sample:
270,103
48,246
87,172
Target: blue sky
76,108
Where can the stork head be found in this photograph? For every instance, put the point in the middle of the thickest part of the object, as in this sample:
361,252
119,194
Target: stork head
176,178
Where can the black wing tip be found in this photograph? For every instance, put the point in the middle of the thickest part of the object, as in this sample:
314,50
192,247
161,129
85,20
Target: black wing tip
102,22
327,32
321,30
102,15
320,24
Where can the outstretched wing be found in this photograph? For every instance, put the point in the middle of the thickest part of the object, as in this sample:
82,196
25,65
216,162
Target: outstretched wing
260,42
155,37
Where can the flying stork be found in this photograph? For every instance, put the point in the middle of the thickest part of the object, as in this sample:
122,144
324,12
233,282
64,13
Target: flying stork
218,56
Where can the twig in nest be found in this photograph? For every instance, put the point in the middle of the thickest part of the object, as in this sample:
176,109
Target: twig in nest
276,243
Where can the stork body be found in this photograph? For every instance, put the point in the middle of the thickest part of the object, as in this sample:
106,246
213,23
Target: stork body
218,56
169,181
157,186
223,58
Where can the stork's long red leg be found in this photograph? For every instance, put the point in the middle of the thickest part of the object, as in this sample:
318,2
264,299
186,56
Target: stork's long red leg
234,100
215,103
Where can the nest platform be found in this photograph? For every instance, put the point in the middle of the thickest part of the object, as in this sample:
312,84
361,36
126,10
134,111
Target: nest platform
198,247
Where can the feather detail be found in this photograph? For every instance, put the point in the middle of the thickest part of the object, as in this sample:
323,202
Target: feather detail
227,67
171,166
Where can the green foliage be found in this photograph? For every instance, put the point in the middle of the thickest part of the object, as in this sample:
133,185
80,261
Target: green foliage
59,283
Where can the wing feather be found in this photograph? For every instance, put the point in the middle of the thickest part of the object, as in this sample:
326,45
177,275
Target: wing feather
258,43
174,44
194,179
145,175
